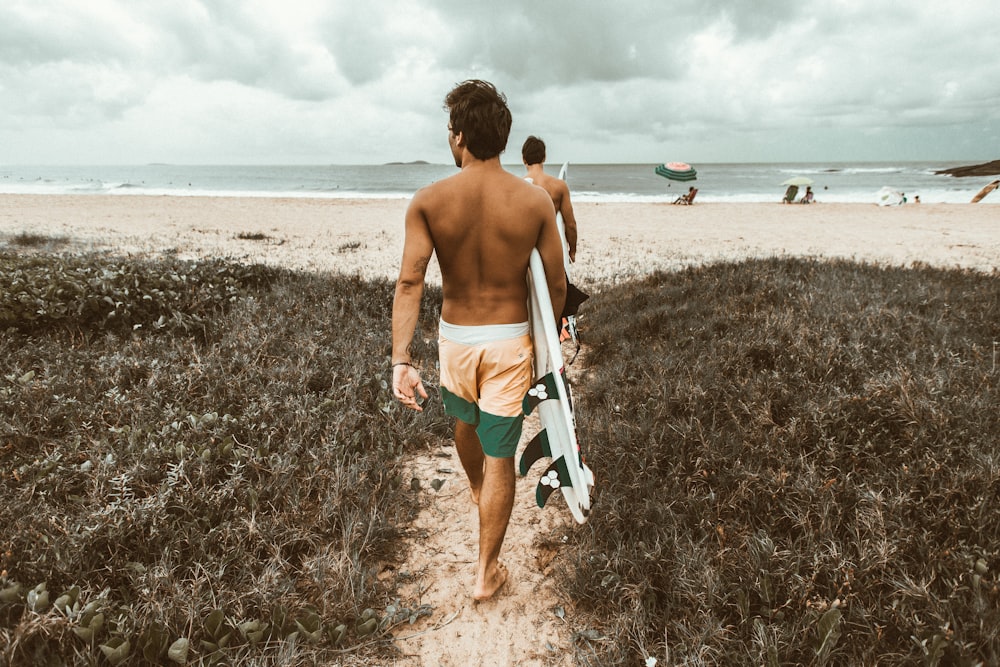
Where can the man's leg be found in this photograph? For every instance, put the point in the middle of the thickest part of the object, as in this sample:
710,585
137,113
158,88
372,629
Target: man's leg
470,453
496,501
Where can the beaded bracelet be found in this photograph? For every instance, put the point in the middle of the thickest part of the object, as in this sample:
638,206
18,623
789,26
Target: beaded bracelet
402,363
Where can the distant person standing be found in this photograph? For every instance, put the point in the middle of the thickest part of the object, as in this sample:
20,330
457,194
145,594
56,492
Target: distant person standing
533,155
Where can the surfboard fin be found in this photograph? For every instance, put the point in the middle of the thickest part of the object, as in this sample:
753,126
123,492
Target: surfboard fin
542,389
570,331
556,476
535,450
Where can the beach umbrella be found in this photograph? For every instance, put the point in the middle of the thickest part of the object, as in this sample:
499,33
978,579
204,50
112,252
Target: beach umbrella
798,180
677,171
889,197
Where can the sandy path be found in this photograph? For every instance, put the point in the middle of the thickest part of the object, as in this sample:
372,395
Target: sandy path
520,626
617,241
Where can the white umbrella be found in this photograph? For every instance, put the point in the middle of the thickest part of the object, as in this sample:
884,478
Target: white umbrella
798,180
889,197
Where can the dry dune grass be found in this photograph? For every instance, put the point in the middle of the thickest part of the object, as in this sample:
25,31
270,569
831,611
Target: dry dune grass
534,621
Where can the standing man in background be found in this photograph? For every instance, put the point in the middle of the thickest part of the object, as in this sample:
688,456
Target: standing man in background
533,155
483,223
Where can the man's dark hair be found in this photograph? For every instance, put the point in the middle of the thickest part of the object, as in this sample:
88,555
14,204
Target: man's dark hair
479,111
533,151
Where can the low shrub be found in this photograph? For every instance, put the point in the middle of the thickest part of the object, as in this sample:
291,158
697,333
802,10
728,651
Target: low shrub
253,236
35,241
88,293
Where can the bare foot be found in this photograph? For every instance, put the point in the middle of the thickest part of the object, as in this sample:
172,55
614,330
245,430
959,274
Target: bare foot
493,583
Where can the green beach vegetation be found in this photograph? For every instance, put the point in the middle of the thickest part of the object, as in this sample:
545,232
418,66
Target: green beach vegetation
797,463
201,462
38,241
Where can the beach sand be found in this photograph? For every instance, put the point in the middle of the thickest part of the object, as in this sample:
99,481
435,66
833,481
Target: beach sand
527,623
617,241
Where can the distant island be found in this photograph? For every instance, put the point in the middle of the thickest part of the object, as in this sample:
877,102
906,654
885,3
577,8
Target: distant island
396,164
987,169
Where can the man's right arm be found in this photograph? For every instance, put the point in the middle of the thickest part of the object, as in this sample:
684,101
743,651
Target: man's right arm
417,250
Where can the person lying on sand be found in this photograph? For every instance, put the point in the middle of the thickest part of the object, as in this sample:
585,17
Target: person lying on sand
483,224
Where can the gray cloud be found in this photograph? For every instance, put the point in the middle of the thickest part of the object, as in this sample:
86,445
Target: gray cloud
711,79
34,34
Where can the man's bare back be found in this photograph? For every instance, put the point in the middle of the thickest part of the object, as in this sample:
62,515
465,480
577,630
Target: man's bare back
483,223
556,188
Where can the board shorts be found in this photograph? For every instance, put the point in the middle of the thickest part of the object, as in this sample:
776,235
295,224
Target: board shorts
485,373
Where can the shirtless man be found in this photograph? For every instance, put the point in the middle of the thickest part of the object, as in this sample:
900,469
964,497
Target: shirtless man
483,223
533,155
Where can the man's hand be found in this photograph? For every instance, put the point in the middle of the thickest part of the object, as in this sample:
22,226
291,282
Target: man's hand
406,379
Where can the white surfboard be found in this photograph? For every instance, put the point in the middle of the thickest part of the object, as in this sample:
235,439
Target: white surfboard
550,395
563,172
570,323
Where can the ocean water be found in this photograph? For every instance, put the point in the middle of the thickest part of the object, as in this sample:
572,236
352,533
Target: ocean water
833,182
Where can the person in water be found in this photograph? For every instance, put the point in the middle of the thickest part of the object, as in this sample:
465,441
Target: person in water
482,223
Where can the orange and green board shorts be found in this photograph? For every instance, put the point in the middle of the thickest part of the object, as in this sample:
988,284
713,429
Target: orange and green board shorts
483,384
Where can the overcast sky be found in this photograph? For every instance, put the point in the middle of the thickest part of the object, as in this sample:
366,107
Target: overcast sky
362,81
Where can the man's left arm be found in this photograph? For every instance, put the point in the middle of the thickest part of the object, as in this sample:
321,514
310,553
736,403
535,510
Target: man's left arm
569,221
550,248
